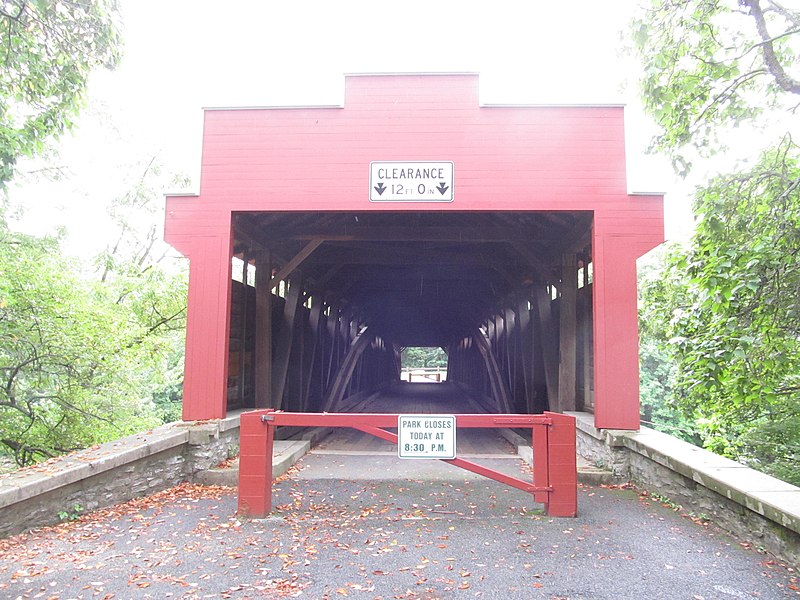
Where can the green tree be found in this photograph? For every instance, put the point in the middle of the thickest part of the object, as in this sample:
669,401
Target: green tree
83,361
709,65
81,358
90,355
423,357
49,47
68,363
737,332
658,370
729,302
138,277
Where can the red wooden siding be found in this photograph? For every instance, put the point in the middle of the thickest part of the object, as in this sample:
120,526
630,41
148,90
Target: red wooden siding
554,158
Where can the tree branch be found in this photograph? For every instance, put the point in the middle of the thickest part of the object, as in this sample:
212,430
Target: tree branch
70,406
785,82
18,16
14,406
155,326
790,15
728,92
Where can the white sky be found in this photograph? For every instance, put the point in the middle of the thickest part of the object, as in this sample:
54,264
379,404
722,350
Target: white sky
182,55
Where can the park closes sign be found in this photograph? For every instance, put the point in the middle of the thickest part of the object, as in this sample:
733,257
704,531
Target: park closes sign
426,436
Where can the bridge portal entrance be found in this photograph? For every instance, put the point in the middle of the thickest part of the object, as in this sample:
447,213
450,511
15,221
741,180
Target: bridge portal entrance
325,240
487,288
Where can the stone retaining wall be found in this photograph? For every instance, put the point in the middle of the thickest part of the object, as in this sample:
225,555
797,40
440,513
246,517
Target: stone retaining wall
754,507
114,472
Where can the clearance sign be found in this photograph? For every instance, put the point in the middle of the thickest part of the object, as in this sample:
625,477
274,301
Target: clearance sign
426,436
410,181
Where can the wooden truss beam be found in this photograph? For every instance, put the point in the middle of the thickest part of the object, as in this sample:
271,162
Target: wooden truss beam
263,325
548,344
567,341
295,261
360,343
286,335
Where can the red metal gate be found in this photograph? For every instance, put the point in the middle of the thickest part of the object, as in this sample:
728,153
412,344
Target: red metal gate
554,458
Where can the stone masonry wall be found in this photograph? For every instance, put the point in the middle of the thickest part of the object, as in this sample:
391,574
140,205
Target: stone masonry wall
111,473
737,519
752,506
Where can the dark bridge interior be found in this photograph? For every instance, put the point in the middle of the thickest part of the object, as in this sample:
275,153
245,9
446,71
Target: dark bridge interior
506,294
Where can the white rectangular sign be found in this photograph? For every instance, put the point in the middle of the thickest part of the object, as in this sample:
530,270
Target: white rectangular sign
414,181
426,436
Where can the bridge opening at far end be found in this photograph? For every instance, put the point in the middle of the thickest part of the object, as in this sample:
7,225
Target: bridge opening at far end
421,364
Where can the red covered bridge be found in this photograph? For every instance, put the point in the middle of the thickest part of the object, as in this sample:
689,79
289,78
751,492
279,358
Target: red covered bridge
414,216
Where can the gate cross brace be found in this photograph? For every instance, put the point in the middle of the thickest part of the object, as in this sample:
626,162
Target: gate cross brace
464,464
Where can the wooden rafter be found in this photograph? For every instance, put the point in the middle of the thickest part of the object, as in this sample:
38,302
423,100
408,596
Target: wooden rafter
295,261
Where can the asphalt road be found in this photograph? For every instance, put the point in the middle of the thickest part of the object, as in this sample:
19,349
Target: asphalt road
340,532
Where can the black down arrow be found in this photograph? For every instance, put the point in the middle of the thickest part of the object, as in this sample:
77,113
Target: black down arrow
380,188
442,187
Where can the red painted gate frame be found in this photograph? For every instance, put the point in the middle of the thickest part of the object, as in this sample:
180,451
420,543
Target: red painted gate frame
555,478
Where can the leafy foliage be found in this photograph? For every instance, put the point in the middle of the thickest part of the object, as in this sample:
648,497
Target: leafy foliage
657,366
88,359
727,307
742,330
66,376
731,314
712,64
132,269
82,358
420,357
48,49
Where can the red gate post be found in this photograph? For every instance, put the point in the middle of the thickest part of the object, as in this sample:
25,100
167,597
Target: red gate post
256,437
541,478
562,468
